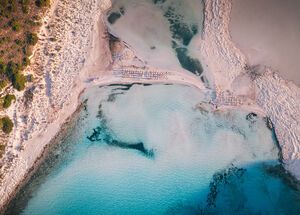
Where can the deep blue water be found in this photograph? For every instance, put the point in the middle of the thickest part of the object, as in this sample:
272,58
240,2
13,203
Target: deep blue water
159,150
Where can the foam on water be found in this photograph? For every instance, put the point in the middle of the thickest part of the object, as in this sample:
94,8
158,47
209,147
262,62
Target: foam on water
202,161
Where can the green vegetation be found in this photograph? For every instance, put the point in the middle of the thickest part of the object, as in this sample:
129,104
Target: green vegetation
3,83
42,3
13,74
6,125
18,81
2,150
19,23
7,100
15,25
26,61
25,6
31,38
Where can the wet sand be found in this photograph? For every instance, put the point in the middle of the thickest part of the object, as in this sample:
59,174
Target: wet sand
268,32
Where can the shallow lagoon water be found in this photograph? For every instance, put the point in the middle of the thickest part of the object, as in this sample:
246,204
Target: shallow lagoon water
194,160
160,31
268,32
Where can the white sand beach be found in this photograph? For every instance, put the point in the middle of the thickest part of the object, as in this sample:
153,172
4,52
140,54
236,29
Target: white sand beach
80,58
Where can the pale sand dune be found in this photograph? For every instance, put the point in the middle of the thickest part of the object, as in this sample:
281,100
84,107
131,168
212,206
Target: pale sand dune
268,32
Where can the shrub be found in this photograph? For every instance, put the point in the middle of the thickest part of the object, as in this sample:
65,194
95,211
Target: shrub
3,3
13,6
3,83
19,42
18,81
7,100
42,3
13,74
2,150
25,5
15,25
31,38
11,69
2,68
6,124
24,2
25,61
27,51
25,9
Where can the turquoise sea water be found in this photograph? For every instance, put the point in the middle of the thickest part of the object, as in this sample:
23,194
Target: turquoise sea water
158,149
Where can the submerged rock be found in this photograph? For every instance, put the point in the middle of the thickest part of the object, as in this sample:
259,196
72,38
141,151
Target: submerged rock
103,134
191,64
220,179
251,117
280,172
113,17
269,123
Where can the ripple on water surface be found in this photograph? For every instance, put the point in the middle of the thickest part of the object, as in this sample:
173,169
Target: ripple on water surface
160,150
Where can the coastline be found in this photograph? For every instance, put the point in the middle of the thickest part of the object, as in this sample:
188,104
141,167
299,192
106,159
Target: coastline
277,98
280,99
35,143
65,127
230,61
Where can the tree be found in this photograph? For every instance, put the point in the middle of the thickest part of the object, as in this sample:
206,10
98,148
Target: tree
18,81
7,100
13,6
2,68
31,38
26,61
15,25
6,124
13,73
11,69
42,3
3,3
2,150
3,83
25,9
24,2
